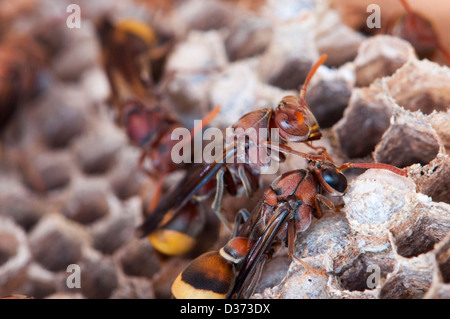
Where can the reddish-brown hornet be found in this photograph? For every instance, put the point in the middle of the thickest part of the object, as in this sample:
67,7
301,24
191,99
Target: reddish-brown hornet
286,209
151,130
126,53
295,123
127,50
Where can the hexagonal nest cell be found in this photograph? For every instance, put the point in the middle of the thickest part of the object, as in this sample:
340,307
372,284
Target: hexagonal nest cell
77,180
